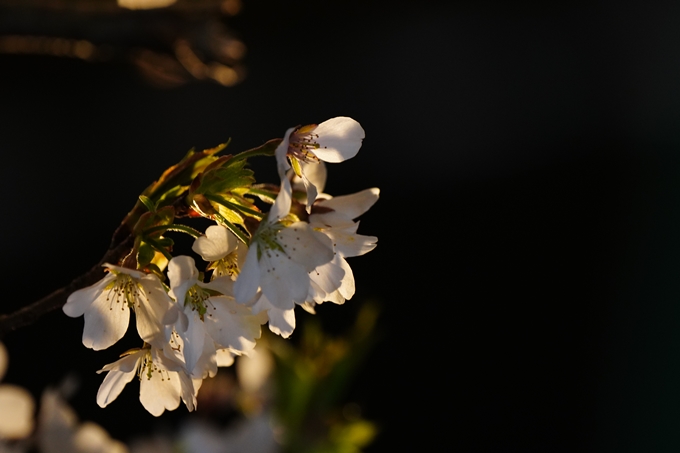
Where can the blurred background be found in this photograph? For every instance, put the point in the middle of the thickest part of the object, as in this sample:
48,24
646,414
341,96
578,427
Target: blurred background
528,159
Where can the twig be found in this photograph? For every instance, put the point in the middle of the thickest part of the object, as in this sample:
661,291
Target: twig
29,314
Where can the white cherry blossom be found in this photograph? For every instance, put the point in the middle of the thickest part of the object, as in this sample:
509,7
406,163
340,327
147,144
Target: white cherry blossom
275,275
209,319
334,140
220,247
279,261
334,281
162,382
106,307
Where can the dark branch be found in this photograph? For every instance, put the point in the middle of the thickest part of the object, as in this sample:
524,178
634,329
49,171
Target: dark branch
29,314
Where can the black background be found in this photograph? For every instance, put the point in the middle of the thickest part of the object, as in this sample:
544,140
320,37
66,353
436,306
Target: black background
528,160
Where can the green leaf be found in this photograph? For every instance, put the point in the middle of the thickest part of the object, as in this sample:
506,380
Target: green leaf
164,216
144,255
225,178
150,205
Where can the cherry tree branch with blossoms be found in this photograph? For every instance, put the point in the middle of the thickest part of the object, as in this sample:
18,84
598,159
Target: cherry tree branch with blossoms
259,264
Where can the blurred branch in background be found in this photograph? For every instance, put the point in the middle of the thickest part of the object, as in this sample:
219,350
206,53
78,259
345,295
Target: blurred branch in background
172,43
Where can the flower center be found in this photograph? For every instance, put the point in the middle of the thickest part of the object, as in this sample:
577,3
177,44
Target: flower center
123,289
302,143
226,266
148,368
266,237
196,298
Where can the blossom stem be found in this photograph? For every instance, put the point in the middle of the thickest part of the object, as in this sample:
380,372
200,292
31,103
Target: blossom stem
154,243
267,149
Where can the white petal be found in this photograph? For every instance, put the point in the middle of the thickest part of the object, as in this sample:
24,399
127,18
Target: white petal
223,284
159,392
350,244
316,173
119,374
231,325
282,204
80,300
281,152
217,243
281,322
353,205
310,306
206,366
339,139
311,191
225,357
124,270
283,281
248,281
188,390
329,276
305,246
182,274
194,339
333,219
154,307
106,321
16,412
347,287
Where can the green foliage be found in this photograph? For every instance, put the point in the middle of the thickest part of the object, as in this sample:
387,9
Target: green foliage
312,380
225,178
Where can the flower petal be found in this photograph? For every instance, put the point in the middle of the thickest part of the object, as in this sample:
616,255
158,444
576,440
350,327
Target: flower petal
353,205
281,322
231,325
80,300
282,204
159,392
182,274
305,246
339,139
283,281
217,243
248,281
316,173
224,357
328,277
106,322
194,339
155,307
351,244
119,374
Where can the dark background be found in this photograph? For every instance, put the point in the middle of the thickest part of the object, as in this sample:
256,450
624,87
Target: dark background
528,161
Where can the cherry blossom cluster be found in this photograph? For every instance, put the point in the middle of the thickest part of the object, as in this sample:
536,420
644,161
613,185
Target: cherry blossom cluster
257,266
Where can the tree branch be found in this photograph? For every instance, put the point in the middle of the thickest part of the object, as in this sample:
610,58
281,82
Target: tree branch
29,314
